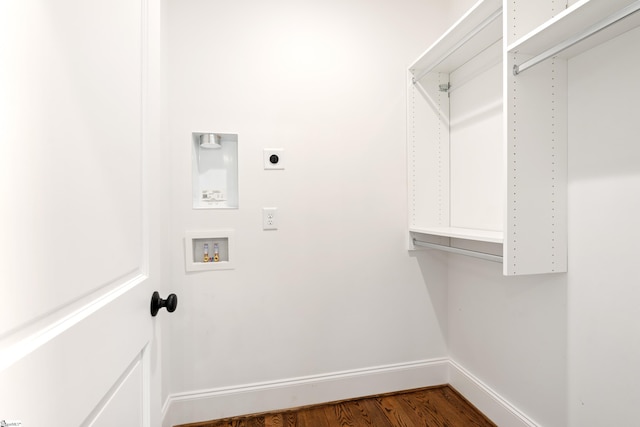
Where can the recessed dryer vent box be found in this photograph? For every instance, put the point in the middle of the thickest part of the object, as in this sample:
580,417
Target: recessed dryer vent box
215,170
209,250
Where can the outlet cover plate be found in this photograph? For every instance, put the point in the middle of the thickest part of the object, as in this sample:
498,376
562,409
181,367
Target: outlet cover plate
269,218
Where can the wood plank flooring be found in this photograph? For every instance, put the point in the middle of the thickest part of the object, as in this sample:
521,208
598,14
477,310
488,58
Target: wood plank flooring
434,407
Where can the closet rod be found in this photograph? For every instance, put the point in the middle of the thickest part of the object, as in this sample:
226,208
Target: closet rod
594,29
461,43
467,252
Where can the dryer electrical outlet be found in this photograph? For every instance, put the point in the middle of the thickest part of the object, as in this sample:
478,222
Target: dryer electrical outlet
274,158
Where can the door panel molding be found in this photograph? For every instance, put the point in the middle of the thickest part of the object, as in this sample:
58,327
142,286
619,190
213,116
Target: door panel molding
124,392
67,379
18,344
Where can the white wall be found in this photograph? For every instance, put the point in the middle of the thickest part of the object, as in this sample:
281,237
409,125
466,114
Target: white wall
604,203
511,333
334,288
564,349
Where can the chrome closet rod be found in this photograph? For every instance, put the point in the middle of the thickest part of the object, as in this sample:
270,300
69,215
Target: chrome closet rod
595,28
467,252
461,43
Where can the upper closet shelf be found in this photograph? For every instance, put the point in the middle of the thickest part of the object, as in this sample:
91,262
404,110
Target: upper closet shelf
478,29
579,28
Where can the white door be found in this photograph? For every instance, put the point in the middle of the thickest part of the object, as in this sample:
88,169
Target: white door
77,265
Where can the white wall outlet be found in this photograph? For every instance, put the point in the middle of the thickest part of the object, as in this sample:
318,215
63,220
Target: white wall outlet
273,158
269,218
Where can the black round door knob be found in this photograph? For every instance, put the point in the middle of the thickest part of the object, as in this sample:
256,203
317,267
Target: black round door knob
157,303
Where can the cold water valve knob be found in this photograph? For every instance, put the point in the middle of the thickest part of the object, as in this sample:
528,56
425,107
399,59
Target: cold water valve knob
157,303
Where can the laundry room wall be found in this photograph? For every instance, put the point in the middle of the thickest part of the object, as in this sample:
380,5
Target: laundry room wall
333,292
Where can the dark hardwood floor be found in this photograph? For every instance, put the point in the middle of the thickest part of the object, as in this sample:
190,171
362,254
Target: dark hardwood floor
435,406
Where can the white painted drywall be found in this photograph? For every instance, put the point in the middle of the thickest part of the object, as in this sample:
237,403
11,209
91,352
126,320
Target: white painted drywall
511,333
564,349
334,288
604,201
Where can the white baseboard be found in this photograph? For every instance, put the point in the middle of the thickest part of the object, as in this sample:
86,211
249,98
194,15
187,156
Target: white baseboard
204,405
490,403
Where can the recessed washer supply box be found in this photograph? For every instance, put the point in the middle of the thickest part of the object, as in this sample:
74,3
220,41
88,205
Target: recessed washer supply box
209,250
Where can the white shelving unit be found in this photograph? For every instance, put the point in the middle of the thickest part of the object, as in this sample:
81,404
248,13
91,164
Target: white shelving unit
487,146
455,111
